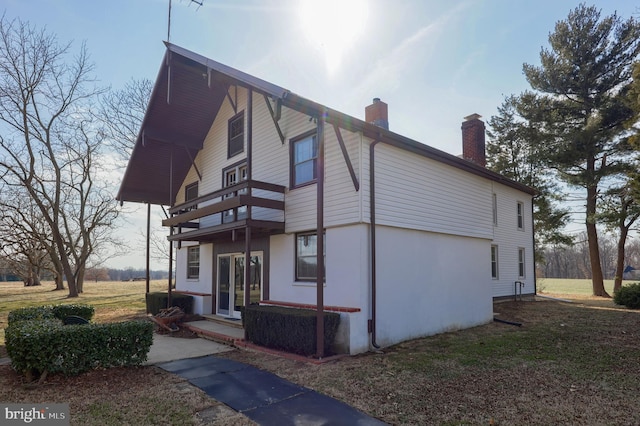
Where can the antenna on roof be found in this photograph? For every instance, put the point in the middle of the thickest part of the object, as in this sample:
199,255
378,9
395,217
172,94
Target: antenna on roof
198,2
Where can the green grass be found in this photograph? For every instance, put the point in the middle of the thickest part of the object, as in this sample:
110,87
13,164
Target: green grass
112,300
572,286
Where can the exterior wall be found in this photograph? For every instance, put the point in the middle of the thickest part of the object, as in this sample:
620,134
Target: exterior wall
203,284
429,283
347,280
415,192
508,238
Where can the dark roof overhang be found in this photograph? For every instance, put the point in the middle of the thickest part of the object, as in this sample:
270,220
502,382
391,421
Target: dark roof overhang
186,98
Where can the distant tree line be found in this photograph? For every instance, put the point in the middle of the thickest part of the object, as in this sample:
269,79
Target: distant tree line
572,260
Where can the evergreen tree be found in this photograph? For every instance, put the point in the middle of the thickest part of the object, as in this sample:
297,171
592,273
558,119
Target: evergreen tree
579,104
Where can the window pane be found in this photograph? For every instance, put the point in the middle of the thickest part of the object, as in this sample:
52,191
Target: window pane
307,267
304,150
304,172
307,245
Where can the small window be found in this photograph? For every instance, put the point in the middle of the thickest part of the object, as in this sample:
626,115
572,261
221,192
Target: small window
304,156
494,262
520,215
193,262
495,210
306,256
191,192
521,258
236,135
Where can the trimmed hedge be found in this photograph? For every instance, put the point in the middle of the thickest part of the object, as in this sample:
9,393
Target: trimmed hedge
43,345
50,312
628,295
288,329
159,300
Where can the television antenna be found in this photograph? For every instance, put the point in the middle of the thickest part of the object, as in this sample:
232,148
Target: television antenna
198,2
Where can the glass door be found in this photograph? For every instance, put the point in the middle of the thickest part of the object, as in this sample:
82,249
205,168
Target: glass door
231,278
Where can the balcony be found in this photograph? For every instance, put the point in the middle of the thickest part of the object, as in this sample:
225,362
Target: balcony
221,215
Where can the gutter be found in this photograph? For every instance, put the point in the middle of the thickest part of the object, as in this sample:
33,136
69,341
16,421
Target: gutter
372,228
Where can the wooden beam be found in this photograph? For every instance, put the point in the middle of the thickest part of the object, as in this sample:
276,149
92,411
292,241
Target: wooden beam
275,117
347,160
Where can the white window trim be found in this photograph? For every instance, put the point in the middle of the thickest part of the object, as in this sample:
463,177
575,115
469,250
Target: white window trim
522,264
494,249
191,263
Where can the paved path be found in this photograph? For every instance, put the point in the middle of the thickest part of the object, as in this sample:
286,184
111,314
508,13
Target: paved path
264,397
166,348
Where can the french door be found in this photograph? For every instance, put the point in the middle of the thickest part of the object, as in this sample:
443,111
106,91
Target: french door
230,285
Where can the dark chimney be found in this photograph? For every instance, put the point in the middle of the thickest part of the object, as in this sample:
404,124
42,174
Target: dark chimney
377,113
473,140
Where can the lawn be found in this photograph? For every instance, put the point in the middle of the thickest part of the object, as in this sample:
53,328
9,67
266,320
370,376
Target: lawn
570,363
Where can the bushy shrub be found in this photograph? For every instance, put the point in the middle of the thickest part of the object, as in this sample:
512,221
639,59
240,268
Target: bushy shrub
42,345
628,295
158,300
288,329
50,312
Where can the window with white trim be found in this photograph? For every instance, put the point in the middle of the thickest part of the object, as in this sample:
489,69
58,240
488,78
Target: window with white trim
193,262
521,259
306,256
495,209
494,262
231,176
520,215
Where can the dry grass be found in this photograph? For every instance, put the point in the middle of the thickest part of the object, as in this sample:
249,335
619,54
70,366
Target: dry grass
570,363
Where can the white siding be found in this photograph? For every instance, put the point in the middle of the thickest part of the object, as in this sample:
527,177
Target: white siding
415,192
509,238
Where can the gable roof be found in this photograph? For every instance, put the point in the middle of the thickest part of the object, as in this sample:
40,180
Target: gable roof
186,98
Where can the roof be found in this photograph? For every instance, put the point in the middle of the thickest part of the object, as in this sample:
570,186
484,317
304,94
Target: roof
186,98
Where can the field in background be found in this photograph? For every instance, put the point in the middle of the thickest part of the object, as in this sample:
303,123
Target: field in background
112,300
570,286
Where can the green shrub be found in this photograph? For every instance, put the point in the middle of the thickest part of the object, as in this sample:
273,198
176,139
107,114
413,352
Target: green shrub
288,329
50,312
158,300
31,313
628,295
45,345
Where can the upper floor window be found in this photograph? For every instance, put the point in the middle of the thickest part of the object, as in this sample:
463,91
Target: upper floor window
495,209
191,192
520,215
193,262
494,262
521,258
304,156
235,144
306,256
231,176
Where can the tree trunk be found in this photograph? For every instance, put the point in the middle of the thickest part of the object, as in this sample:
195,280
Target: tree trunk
59,282
594,251
617,282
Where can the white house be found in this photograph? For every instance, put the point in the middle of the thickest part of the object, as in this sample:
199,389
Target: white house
416,241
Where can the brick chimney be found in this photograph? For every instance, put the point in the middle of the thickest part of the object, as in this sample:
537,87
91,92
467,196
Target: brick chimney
377,113
473,140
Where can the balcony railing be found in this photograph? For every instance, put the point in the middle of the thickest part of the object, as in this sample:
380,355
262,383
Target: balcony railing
248,203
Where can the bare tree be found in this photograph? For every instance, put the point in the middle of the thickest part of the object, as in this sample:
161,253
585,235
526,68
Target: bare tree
121,113
51,146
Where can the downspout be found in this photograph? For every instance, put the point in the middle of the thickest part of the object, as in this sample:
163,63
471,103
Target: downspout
320,237
533,238
372,215
171,203
148,275
247,235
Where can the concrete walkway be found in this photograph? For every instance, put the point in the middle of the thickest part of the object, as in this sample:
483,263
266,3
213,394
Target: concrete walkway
264,397
166,348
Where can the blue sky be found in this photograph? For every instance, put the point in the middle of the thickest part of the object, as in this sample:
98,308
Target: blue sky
433,62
